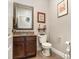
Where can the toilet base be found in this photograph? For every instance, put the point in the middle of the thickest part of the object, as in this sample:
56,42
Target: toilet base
46,52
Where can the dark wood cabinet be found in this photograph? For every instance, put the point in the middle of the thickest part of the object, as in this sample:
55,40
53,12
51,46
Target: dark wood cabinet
24,46
18,47
30,50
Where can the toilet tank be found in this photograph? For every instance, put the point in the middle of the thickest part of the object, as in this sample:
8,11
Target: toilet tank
42,38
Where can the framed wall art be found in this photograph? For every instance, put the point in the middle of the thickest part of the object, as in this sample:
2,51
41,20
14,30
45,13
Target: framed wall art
62,8
23,17
41,17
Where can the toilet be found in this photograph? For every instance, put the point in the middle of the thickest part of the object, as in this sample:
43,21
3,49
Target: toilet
46,46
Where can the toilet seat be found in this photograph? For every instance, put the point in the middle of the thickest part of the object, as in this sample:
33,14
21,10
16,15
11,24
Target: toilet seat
47,44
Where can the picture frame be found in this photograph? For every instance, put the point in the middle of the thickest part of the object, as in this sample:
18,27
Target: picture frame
41,17
23,17
62,8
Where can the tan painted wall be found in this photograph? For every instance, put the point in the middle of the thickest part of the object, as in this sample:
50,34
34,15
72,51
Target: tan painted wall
60,28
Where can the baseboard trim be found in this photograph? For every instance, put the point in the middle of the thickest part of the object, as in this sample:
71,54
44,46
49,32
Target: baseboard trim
58,52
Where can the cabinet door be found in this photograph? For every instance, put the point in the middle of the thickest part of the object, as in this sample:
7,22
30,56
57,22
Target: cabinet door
18,47
30,46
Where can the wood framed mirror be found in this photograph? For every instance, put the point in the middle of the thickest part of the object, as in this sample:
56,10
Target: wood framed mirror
23,17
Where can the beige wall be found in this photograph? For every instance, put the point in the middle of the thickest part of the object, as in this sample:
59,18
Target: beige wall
60,28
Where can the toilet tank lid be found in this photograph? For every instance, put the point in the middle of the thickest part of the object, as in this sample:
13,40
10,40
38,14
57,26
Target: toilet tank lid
42,35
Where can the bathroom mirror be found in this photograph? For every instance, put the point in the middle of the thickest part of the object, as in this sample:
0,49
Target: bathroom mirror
23,17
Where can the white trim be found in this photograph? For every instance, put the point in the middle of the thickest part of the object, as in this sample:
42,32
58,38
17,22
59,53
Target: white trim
58,52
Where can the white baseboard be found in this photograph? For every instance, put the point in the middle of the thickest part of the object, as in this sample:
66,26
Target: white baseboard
58,52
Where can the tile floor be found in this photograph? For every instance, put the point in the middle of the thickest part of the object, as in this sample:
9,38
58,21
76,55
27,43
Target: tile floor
40,56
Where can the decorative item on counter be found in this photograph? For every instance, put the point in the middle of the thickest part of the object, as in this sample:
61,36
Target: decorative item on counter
45,26
39,26
42,27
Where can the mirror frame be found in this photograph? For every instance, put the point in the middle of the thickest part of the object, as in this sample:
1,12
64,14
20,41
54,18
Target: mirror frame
15,23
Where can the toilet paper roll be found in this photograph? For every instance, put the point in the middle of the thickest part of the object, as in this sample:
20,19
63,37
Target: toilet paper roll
67,42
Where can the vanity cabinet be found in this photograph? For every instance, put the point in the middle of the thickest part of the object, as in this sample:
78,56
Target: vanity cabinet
24,46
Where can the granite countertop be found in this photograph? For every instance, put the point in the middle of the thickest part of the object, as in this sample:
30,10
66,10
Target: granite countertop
24,34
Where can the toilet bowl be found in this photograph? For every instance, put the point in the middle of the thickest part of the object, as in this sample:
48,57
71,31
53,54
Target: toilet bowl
46,49
46,46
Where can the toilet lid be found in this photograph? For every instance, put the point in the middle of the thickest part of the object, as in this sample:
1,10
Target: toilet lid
46,44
